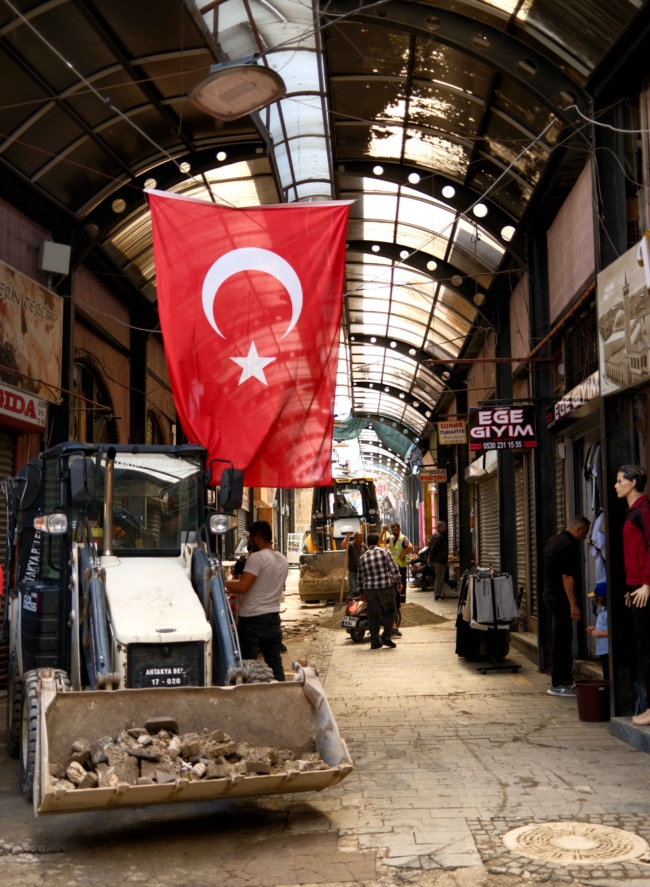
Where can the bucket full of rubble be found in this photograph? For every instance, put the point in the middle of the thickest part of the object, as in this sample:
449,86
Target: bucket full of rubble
129,748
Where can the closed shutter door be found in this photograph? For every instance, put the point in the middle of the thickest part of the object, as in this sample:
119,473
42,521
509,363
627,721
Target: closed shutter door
7,450
450,520
488,530
522,536
560,501
532,534
242,518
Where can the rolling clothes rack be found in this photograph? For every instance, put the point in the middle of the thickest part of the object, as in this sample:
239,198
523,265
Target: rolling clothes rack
487,606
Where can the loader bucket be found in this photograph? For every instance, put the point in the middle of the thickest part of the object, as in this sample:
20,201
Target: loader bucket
282,715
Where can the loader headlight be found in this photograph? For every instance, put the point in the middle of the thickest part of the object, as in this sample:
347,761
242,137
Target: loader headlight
56,524
221,523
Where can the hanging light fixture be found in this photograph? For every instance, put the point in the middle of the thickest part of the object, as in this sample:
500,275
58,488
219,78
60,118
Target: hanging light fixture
234,89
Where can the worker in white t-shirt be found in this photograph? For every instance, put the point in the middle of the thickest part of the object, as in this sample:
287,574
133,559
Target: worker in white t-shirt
261,586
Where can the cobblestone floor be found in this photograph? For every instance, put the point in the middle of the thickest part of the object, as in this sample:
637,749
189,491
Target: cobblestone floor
446,760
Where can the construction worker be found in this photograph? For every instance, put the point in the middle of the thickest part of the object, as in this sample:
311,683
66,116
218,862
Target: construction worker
400,548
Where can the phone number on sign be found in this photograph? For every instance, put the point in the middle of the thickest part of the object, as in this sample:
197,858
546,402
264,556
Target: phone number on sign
504,445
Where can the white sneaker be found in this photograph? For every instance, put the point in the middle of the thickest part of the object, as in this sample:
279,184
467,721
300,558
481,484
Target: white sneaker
561,691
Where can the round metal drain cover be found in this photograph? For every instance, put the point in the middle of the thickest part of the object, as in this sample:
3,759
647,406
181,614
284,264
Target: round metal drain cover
574,843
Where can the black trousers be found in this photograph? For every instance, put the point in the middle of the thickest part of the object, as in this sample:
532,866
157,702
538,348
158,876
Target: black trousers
262,634
381,601
641,616
604,661
400,596
562,640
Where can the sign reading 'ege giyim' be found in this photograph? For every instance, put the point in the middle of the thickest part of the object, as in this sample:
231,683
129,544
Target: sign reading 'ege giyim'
502,428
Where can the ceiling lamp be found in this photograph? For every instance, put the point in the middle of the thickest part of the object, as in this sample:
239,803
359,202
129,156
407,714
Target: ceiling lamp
234,89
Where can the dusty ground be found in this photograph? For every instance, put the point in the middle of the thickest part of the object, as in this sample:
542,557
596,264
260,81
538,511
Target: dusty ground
445,761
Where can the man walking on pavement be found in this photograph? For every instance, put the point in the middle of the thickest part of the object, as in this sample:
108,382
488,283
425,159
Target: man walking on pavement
261,585
561,578
437,556
379,579
355,548
399,547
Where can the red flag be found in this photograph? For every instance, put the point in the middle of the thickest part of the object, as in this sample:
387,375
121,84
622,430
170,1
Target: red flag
250,308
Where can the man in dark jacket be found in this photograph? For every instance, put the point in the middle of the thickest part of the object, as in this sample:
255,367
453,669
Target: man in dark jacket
562,575
437,556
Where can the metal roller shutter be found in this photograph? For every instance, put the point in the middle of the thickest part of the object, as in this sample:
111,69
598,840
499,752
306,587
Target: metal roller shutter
488,526
522,537
7,455
532,535
560,501
450,520
242,520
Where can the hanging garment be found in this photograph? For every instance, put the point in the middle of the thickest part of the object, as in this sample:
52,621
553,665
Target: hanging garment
597,543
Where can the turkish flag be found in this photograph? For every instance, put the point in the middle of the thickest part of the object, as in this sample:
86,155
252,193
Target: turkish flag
250,307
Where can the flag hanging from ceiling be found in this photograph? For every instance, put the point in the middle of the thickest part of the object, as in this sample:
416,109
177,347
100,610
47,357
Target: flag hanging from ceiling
250,307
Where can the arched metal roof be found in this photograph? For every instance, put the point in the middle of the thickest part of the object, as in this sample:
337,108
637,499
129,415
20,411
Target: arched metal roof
438,119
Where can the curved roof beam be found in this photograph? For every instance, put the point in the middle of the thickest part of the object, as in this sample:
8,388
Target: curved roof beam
458,197
501,51
391,344
443,273
401,396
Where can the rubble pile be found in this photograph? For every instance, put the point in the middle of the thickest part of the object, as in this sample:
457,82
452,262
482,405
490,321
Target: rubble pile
149,755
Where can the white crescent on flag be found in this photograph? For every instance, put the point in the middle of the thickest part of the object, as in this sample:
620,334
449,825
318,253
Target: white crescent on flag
251,259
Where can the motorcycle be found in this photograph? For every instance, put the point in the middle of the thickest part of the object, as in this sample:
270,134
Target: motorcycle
422,574
355,621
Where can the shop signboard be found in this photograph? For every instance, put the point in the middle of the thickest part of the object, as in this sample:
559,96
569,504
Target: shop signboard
245,502
22,410
502,428
452,432
31,330
433,476
624,319
573,403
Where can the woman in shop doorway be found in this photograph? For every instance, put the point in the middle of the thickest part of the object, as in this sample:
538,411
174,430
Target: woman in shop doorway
631,481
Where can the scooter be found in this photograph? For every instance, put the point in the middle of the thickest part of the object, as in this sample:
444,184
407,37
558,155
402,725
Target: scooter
355,620
422,574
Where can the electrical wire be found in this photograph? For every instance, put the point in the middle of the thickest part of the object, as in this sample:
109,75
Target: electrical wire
597,122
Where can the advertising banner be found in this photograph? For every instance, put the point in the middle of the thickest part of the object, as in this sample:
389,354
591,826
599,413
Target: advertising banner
502,428
22,410
31,331
574,401
452,432
624,319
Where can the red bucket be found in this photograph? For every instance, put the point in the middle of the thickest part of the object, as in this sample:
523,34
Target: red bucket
593,700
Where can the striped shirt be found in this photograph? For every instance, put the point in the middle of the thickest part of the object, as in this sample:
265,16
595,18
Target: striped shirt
377,569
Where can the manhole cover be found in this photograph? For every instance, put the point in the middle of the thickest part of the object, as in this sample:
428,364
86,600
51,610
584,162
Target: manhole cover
574,842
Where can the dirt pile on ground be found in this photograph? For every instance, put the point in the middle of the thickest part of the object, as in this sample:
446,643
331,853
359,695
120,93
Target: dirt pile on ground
149,755
412,616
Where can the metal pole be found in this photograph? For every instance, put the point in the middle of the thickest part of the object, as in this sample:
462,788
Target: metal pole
108,502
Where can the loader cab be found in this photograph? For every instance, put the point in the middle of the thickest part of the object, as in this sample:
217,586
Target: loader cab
348,503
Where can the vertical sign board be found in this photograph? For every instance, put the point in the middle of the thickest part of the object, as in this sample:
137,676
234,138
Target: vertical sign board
452,432
624,319
502,428
31,332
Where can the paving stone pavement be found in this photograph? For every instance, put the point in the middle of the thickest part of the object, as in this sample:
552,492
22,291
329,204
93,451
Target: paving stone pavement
446,760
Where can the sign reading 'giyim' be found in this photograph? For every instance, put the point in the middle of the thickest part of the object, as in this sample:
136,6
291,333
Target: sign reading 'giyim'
502,428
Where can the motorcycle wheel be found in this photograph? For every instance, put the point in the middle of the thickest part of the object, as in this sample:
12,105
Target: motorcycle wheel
357,634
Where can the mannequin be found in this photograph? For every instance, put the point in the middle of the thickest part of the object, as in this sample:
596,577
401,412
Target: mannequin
630,484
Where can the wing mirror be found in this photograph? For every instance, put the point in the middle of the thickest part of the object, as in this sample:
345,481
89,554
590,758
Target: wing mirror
82,479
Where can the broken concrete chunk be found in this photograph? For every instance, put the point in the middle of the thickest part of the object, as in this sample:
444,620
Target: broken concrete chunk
241,749
191,745
63,783
219,736
155,725
145,780
265,753
163,778
90,780
165,765
217,771
174,747
240,767
260,767
306,766
198,771
58,771
137,732
80,749
145,739
125,765
75,773
219,749
108,778
98,752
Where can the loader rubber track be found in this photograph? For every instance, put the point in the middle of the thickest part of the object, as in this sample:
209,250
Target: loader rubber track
258,672
14,707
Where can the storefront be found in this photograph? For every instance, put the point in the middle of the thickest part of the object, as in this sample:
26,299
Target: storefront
482,474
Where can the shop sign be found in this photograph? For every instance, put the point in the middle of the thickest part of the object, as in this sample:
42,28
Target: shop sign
452,432
246,502
31,330
502,428
433,476
22,410
623,290
576,398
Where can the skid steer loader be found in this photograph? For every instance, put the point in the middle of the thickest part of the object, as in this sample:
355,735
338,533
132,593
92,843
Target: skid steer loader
117,618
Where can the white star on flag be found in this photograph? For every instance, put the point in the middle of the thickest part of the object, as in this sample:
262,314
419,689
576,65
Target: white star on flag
252,365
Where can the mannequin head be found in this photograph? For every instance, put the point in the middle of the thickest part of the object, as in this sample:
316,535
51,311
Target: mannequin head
631,481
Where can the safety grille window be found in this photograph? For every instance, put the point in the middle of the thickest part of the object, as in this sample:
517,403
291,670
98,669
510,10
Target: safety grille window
581,351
